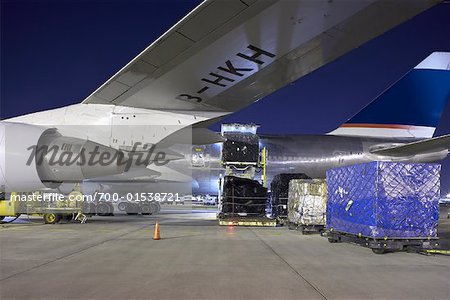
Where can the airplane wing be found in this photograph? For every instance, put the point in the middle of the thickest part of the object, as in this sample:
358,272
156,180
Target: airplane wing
225,55
436,144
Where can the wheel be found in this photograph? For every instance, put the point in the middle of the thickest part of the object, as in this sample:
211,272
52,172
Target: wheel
88,208
332,240
103,209
157,206
146,209
52,218
379,250
122,206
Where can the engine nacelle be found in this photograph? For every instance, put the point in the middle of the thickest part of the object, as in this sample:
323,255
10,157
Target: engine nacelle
34,157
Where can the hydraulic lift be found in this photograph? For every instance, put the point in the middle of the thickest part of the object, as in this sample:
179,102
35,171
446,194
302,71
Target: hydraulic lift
243,158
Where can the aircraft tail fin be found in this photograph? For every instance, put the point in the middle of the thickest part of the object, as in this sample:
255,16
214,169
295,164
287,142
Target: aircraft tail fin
411,107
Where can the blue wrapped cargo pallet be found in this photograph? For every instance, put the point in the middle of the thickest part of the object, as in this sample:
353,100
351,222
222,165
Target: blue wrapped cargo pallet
384,200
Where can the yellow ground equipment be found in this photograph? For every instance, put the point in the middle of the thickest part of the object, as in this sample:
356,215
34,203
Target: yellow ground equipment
8,208
438,251
51,207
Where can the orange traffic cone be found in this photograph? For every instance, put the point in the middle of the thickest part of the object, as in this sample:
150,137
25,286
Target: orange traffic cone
156,235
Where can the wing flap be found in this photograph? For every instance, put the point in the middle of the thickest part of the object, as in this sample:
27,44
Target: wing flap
136,73
437,144
167,49
211,17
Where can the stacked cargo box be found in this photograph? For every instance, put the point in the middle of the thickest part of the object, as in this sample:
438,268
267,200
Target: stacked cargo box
307,204
384,200
280,190
243,197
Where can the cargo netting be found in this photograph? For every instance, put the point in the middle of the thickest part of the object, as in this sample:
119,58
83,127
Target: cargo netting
243,197
384,199
307,201
280,190
240,147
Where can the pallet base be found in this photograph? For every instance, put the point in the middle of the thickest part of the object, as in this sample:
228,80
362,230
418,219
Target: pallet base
251,222
307,229
380,246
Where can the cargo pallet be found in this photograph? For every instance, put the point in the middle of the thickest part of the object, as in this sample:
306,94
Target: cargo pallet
250,222
307,229
384,245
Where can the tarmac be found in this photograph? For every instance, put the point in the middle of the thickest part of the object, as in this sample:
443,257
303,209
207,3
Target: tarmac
116,258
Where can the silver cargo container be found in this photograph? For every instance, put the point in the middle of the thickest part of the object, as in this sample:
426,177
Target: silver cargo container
307,202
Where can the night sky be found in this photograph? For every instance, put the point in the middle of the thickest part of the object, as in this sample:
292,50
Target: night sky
55,53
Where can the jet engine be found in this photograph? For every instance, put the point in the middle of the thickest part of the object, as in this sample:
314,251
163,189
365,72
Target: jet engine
35,157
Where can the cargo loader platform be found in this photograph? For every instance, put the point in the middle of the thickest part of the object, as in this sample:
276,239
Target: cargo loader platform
384,245
247,221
